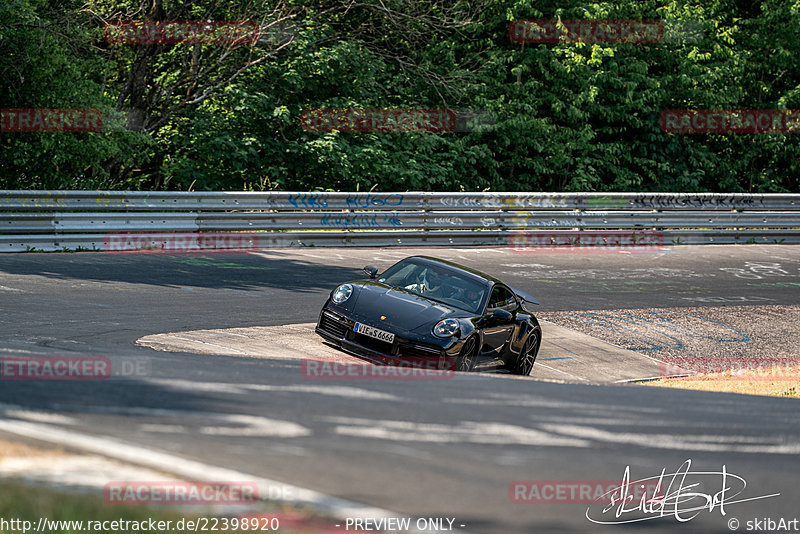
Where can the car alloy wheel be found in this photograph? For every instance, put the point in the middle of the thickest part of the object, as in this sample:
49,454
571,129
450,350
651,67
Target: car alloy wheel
527,356
466,359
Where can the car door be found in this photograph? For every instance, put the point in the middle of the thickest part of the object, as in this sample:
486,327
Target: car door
497,330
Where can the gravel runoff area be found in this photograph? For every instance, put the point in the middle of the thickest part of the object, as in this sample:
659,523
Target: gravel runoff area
741,349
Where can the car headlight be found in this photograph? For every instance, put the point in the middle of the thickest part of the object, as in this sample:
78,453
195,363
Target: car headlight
342,293
445,328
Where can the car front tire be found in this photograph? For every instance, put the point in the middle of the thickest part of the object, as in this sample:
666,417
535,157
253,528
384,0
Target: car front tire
527,356
465,361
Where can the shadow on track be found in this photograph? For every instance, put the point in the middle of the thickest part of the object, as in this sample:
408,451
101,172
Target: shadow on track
214,271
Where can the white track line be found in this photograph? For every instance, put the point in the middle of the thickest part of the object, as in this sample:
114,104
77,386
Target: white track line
193,470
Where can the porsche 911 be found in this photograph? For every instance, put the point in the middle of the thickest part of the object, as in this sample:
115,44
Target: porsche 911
424,309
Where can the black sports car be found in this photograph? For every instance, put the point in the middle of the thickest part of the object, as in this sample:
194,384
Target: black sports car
424,309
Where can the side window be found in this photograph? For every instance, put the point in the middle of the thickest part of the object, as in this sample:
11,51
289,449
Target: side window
501,298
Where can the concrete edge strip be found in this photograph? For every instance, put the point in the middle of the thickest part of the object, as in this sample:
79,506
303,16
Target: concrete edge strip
650,379
193,470
604,342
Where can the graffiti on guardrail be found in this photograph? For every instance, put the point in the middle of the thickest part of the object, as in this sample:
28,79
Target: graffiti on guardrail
445,221
360,221
532,220
308,200
490,200
352,201
369,200
47,200
113,200
697,201
459,217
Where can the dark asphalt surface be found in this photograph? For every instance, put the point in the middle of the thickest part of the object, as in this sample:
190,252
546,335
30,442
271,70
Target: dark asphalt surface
423,448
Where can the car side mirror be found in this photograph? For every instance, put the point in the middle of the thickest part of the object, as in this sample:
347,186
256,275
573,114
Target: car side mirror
371,271
501,316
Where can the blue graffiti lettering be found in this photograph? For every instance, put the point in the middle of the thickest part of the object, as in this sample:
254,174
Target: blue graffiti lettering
369,200
308,200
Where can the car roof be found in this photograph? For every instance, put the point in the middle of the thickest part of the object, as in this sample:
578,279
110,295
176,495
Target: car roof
467,271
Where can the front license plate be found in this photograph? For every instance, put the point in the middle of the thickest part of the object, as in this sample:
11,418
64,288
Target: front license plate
375,333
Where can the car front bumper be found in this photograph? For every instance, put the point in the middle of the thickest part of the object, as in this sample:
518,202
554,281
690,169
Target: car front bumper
338,329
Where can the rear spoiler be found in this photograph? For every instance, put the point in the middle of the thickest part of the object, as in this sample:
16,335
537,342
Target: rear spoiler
526,297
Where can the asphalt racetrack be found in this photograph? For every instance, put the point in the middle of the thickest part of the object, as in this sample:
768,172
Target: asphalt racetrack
447,448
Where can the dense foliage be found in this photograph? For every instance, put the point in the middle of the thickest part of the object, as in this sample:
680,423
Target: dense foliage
565,116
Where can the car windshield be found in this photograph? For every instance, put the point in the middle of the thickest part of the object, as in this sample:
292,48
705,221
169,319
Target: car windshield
436,283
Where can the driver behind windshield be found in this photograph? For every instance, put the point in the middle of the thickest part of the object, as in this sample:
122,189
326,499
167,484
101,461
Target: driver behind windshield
433,284
428,282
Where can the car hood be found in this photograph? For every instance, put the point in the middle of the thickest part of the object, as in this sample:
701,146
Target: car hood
404,311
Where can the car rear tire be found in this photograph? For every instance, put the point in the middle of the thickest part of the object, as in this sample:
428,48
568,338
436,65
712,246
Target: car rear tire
527,356
465,361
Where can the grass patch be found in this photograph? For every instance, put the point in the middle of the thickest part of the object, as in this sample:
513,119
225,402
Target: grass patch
786,383
29,503
21,502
